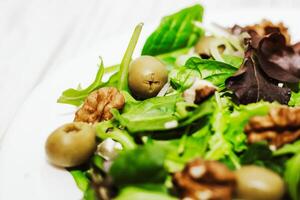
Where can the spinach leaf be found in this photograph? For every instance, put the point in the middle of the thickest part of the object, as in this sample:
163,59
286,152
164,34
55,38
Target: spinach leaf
214,71
260,154
292,176
144,164
145,192
77,96
182,78
175,32
149,115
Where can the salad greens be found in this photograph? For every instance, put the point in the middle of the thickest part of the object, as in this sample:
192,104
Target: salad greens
161,134
77,96
175,32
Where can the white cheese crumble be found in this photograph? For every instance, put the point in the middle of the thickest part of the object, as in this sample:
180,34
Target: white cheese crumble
171,124
109,149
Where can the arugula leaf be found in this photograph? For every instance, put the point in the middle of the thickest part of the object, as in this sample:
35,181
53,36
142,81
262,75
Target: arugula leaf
76,96
81,180
124,66
107,129
214,71
144,164
145,192
292,176
175,32
148,115
288,149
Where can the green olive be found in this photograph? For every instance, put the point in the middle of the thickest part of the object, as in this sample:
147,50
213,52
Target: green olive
71,144
259,183
147,75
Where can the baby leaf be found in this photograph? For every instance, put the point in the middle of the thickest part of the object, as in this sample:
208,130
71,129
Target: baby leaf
141,165
175,32
214,71
250,84
278,60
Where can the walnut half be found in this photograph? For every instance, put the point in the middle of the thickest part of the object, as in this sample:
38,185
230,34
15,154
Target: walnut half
97,105
201,180
199,91
280,126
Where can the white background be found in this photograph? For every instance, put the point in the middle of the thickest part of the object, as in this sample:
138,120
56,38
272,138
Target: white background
37,35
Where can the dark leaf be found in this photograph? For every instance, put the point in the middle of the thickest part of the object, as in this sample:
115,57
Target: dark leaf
141,165
278,60
250,84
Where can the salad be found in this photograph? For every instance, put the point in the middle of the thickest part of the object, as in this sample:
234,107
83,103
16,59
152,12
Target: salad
206,112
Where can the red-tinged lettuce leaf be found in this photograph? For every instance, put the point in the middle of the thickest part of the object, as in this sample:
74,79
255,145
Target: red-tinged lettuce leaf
278,60
250,84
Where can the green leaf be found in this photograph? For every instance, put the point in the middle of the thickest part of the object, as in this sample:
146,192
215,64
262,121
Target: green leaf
292,176
288,149
256,152
175,32
124,66
81,180
214,71
107,129
90,194
148,115
295,99
182,78
232,60
77,96
144,164
144,192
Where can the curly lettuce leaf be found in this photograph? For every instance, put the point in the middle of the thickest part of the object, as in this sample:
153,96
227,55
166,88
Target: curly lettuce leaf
295,99
175,32
76,96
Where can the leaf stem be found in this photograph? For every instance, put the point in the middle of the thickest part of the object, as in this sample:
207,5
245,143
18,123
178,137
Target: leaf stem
124,66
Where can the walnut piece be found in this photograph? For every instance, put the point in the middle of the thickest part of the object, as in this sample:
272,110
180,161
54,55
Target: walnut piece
201,180
280,126
199,91
97,105
266,27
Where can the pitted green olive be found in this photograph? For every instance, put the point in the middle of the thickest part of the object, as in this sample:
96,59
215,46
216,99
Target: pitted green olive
147,75
71,144
259,183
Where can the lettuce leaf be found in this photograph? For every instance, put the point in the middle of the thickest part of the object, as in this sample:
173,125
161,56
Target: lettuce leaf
175,32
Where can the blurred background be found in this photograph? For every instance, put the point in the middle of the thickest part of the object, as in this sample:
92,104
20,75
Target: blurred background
37,36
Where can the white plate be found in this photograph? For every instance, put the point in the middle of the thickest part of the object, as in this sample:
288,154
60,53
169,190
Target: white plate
24,171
